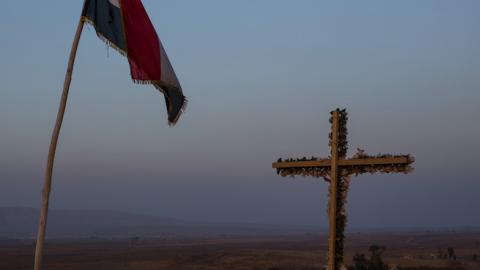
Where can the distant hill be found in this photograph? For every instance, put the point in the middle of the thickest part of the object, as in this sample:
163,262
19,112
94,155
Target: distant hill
22,223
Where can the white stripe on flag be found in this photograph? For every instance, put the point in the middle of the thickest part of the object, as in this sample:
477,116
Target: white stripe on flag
115,3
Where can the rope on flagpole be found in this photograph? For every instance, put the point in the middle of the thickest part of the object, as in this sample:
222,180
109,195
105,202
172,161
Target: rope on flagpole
53,146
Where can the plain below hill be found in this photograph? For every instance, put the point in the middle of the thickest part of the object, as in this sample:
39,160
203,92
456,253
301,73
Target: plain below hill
21,223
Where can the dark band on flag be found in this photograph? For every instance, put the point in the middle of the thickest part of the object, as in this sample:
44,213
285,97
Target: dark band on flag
107,20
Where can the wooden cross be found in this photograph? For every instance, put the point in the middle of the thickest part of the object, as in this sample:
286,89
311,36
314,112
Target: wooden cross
337,170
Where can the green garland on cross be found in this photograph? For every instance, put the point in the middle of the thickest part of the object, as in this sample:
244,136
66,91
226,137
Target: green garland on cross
343,183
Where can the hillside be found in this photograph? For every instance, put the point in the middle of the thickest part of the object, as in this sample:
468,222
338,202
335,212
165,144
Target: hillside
22,223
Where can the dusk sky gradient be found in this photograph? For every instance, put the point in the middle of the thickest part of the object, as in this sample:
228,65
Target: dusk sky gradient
261,78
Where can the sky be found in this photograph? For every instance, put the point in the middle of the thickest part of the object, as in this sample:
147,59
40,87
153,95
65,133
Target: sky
261,78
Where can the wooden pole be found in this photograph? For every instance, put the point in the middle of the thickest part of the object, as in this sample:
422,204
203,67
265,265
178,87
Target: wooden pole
333,195
53,146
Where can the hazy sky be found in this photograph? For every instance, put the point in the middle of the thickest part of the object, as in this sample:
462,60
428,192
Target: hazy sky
261,78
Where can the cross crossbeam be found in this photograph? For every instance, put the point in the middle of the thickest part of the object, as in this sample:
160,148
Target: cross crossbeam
404,159
338,170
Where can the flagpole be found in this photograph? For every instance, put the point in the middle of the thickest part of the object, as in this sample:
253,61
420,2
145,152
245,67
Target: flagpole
53,146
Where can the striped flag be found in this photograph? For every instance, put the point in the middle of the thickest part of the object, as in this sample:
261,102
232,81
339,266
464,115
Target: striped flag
125,26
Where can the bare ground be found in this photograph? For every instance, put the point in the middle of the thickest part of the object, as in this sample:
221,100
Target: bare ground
240,253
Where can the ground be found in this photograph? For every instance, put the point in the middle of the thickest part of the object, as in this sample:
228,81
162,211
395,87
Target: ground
302,252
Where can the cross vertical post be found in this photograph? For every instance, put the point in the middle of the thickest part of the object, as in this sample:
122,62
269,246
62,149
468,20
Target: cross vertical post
333,194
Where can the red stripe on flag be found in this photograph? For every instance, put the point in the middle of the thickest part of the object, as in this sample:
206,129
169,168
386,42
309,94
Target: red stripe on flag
143,46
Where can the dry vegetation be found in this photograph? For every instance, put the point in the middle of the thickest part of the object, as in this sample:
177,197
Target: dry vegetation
240,253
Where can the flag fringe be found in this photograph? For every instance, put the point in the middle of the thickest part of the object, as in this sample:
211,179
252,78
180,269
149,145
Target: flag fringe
144,82
103,38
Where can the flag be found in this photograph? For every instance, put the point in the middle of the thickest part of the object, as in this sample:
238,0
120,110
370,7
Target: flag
125,26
